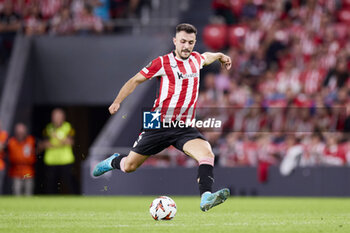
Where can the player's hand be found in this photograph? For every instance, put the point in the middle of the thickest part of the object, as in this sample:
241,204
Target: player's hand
113,108
226,62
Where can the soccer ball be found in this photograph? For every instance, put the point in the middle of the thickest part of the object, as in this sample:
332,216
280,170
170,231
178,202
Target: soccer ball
163,208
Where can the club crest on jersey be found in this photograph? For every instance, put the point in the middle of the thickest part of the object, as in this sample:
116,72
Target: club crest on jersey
151,120
184,76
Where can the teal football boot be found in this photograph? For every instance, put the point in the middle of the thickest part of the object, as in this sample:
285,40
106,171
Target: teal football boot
209,200
104,166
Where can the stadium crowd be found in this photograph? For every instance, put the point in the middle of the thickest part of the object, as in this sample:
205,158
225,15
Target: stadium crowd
61,17
288,92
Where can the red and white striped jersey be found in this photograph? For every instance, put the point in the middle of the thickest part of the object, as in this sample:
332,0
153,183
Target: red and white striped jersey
312,80
50,7
179,85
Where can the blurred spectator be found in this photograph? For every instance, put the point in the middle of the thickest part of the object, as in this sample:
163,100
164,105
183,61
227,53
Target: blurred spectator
21,153
270,13
222,81
21,6
49,8
230,150
9,24
266,154
275,43
34,23
118,8
294,151
288,78
249,10
77,7
253,36
333,153
134,7
101,9
314,151
3,139
338,76
125,8
256,65
312,78
255,120
58,156
87,22
62,24
324,119
223,8
9,20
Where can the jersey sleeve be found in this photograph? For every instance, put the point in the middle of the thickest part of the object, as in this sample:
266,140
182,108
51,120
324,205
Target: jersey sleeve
200,59
153,69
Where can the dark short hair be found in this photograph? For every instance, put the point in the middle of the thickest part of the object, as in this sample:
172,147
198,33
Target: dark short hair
188,28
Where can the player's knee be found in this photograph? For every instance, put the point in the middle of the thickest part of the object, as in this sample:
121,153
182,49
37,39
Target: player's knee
206,158
130,167
209,154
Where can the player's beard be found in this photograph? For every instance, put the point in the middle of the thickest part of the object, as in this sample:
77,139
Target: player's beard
184,50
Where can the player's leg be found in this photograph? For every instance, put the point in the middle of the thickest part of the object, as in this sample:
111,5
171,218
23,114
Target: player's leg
28,187
201,151
51,176
129,163
125,163
67,178
16,186
148,143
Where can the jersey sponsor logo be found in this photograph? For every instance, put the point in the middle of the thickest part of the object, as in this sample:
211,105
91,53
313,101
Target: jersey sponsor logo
151,120
184,76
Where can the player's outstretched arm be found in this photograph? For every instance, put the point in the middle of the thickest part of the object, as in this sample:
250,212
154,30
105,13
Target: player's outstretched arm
126,90
211,57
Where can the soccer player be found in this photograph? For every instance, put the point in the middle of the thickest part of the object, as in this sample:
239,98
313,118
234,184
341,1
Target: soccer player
178,72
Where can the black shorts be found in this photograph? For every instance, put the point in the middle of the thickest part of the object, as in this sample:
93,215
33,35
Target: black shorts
151,142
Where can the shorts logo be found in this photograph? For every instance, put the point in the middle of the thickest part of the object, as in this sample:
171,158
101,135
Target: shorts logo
138,140
151,120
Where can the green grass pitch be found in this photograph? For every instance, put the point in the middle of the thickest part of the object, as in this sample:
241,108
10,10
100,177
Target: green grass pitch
131,214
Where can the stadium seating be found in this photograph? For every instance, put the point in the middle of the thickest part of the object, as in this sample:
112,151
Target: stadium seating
215,36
